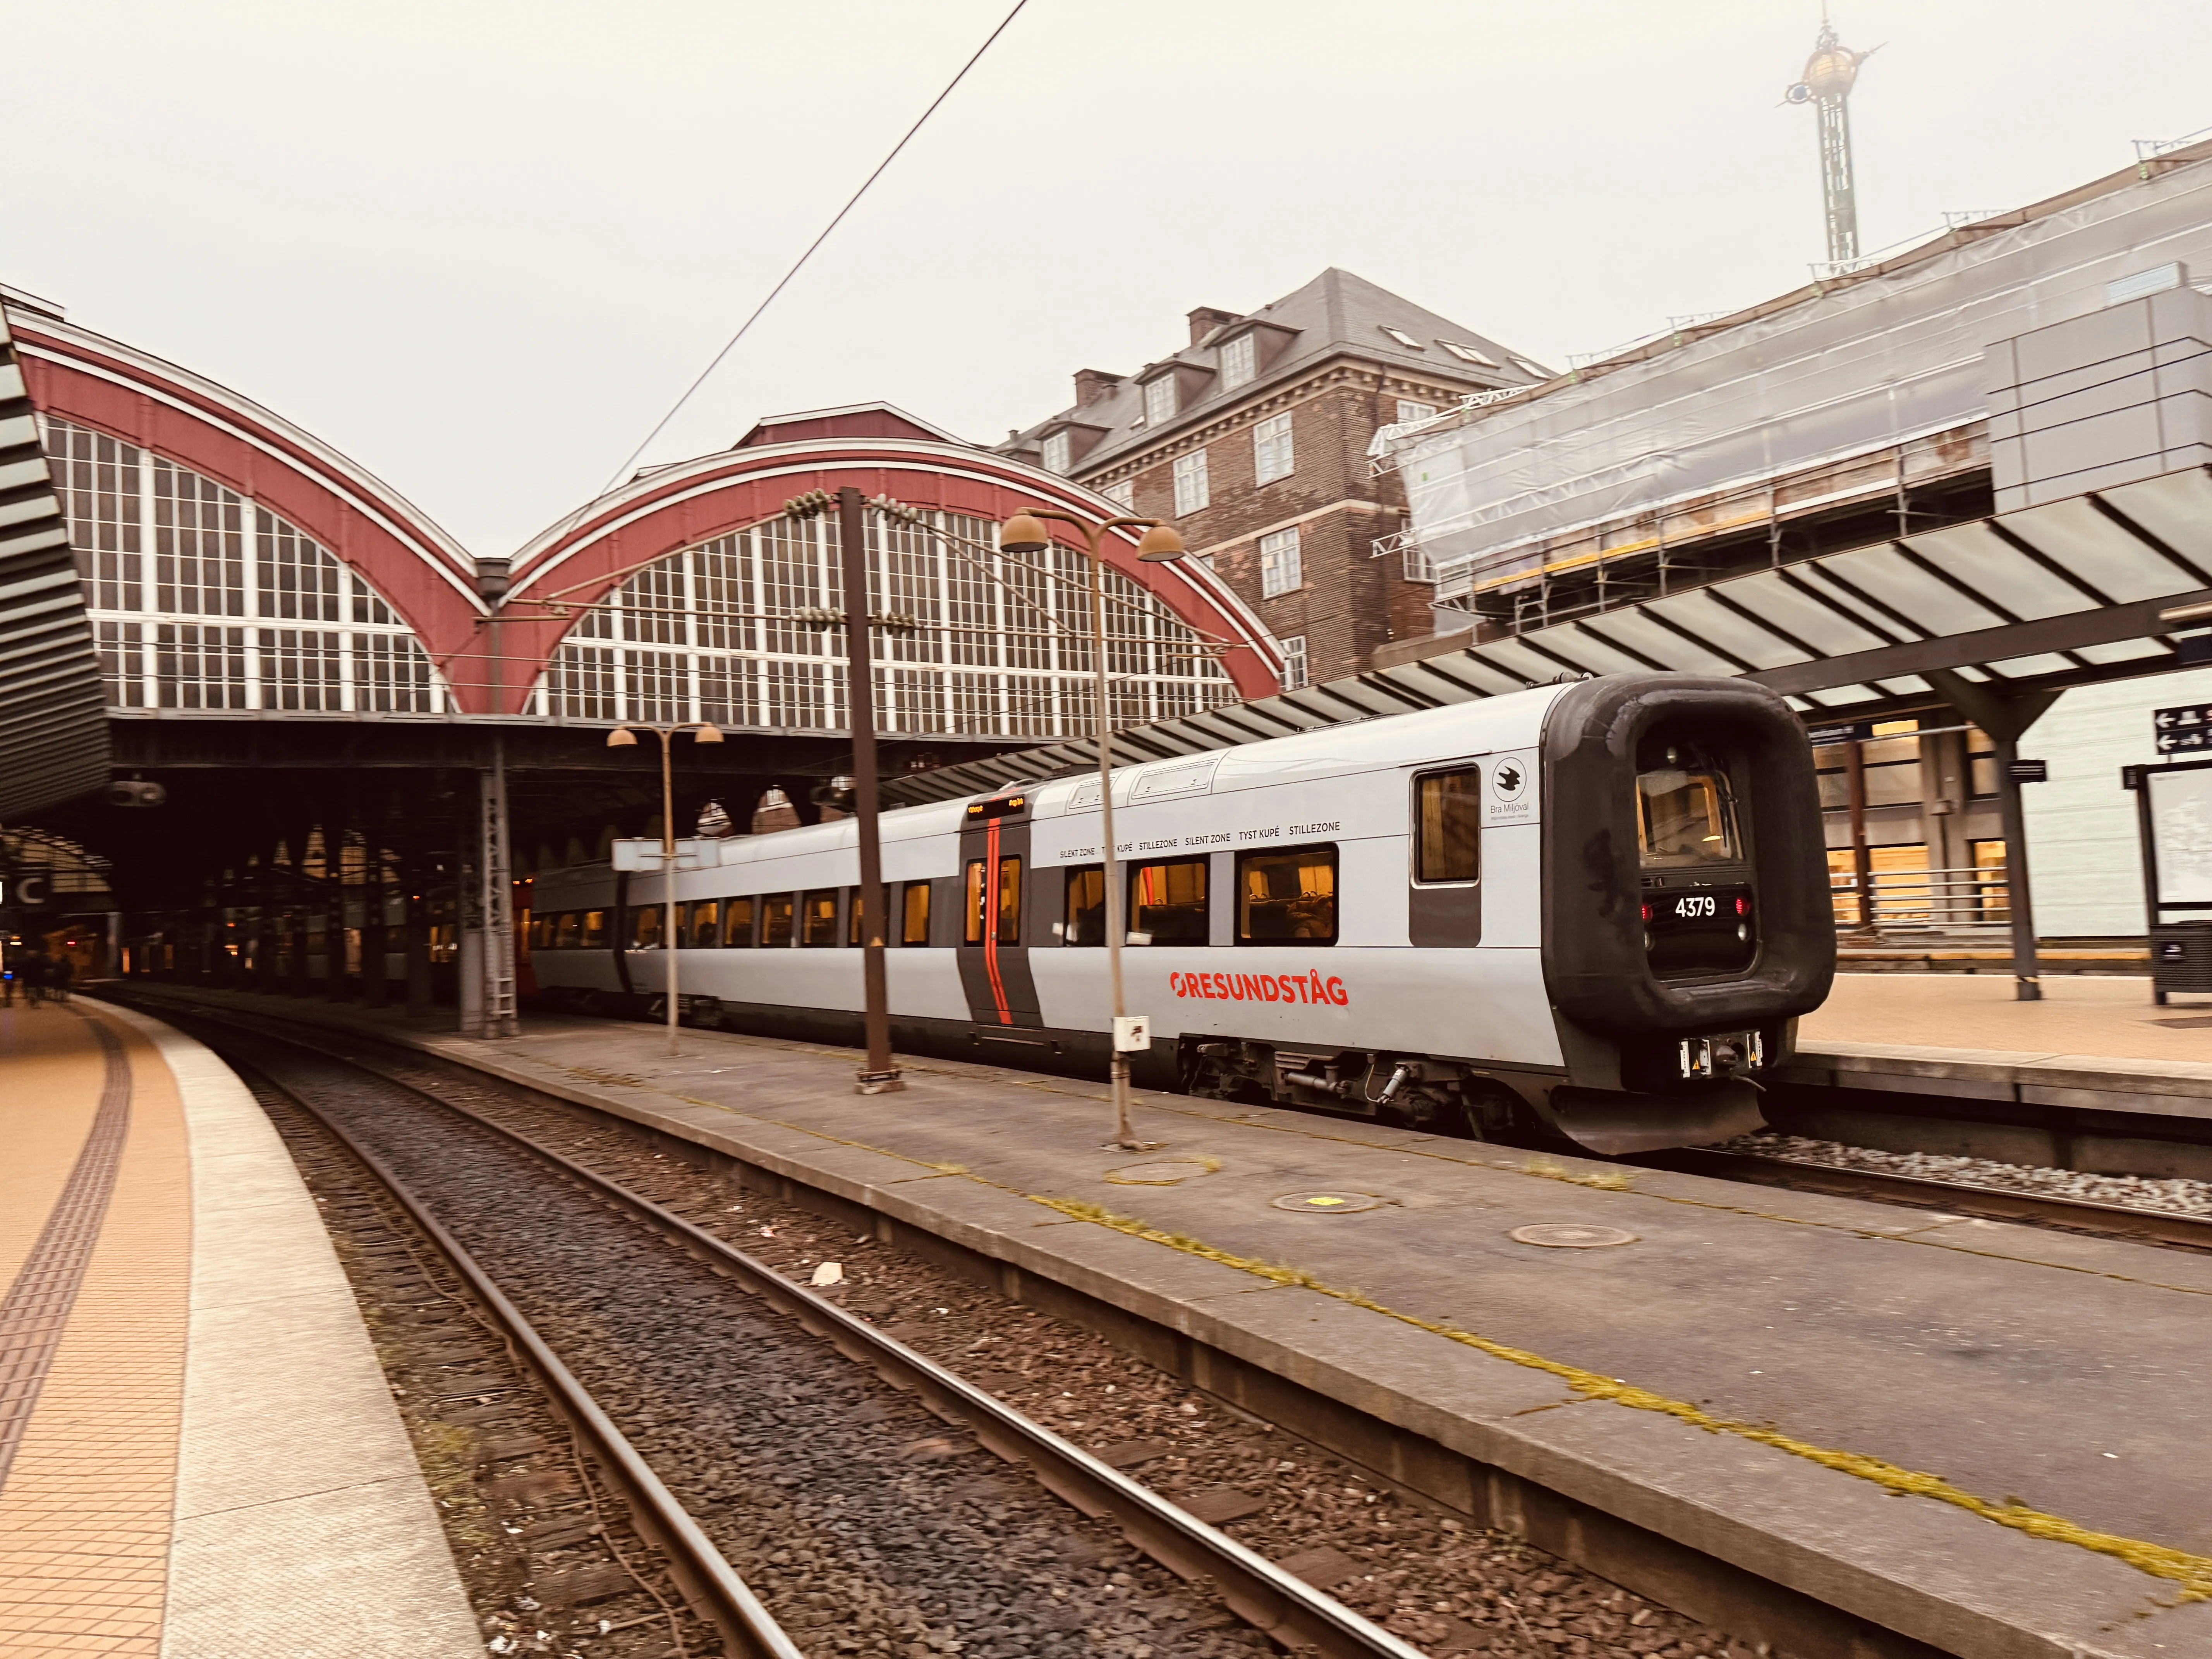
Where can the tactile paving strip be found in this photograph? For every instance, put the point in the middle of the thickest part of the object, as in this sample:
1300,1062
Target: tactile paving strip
36,1309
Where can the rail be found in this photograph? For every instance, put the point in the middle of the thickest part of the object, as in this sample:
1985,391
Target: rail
1263,1595
708,1582
2076,1215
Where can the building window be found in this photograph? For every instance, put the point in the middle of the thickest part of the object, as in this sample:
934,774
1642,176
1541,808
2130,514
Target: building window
1056,453
1279,564
1190,485
1410,410
1159,400
1294,662
1122,493
1403,339
1271,458
1239,362
1467,353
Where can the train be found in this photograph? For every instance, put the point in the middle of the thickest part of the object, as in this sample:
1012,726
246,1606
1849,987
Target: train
1594,909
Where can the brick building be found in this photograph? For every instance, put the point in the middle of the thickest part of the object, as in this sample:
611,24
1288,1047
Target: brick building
1253,439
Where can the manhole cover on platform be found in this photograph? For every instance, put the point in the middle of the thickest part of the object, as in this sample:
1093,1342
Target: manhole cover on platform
1165,1173
1564,1236
1328,1203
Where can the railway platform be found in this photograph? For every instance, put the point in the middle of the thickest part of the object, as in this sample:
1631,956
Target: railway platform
198,1456
2093,1077
1986,1438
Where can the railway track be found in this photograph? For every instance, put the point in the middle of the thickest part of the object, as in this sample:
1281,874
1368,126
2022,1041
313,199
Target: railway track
2073,1215
796,1498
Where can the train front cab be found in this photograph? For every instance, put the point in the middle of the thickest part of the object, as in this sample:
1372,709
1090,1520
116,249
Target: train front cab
1687,915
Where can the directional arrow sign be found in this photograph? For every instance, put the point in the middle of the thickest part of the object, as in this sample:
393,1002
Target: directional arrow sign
2188,726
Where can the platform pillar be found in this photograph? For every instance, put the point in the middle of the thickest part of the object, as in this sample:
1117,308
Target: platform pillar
2005,719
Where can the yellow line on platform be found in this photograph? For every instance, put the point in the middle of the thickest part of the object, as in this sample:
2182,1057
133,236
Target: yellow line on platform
2192,1572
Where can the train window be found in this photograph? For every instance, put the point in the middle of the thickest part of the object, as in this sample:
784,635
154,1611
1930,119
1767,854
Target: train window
1086,906
539,933
569,930
737,921
821,916
1008,910
1167,904
1283,898
1448,826
776,918
645,927
706,927
913,914
852,922
1684,817
595,930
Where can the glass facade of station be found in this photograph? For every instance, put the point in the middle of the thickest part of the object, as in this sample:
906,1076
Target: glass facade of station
977,641
201,600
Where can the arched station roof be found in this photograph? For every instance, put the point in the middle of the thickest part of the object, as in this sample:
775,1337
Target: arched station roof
877,450
90,380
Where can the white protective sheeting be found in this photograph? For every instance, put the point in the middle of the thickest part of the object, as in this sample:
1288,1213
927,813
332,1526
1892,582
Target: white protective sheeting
1878,361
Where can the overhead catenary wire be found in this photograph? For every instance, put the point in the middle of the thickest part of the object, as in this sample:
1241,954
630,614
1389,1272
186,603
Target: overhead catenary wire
799,263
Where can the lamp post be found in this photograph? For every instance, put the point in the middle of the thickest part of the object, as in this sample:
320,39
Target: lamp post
625,736
1025,533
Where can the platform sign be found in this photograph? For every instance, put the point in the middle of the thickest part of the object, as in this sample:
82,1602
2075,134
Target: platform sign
643,855
1823,736
2185,730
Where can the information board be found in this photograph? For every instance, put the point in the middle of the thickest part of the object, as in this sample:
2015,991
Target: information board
2181,833
2184,729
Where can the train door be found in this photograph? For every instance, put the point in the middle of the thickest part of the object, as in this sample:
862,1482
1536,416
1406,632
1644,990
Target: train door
995,882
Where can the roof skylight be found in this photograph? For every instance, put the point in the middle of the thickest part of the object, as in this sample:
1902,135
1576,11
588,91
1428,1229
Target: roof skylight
1402,337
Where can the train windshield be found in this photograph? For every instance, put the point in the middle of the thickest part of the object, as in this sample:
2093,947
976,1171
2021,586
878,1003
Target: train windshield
1684,817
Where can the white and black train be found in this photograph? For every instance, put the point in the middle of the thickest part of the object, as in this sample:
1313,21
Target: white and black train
1597,907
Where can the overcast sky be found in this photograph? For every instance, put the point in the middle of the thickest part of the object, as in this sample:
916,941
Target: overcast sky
481,246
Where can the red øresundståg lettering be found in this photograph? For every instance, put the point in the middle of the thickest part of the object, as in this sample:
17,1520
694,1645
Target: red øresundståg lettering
1309,988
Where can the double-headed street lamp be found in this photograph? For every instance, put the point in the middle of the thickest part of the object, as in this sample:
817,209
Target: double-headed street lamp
625,736
1025,533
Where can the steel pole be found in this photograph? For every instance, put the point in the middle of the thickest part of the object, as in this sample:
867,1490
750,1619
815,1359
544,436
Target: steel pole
879,1076
1125,1135
668,873
2027,970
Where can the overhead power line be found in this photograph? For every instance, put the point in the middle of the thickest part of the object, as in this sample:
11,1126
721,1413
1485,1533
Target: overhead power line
799,263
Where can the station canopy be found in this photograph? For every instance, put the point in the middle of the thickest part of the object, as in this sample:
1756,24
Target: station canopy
2065,593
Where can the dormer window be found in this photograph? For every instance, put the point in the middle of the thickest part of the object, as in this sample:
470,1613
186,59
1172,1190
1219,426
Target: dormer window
1056,455
1239,362
1159,400
1403,339
1467,353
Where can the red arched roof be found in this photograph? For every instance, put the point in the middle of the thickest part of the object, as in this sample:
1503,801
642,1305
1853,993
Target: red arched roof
420,571
661,512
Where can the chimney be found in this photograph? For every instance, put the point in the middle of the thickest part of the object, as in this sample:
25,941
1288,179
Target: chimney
1206,319
1091,385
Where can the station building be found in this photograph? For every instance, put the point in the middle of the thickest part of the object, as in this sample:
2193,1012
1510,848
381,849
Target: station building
349,719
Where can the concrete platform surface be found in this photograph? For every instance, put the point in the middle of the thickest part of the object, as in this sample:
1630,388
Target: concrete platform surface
199,1456
2093,1043
1989,1438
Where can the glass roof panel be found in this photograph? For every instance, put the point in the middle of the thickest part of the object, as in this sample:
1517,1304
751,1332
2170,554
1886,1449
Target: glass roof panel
1975,555
1696,613
2122,651
1842,694
1517,658
1819,580
2176,508
2023,668
1828,630
2108,558
1661,645
1889,576
1592,650
1471,668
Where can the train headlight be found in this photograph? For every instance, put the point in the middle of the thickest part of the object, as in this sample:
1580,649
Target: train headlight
1743,932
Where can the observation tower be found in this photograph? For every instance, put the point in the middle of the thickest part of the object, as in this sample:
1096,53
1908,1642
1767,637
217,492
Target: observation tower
1826,85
